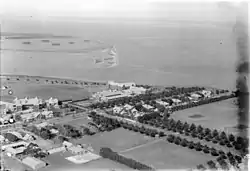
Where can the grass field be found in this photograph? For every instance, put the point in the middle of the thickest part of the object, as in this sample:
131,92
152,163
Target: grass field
119,140
59,163
163,155
43,91
215,115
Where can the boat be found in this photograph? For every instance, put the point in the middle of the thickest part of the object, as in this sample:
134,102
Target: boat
26,43
45,40
55,44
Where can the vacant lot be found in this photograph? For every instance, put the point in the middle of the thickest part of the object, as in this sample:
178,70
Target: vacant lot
215,115
163,155
45,91
119,140
59,163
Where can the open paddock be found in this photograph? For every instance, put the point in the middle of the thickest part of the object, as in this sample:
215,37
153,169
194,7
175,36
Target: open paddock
58,162
44,91
163,155
118,140
217,115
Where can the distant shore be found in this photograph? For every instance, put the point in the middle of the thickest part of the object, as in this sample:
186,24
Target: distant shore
49,80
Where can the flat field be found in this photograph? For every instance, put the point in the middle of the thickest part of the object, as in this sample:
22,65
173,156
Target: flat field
217,115
59,163
163,155
45,91
119,139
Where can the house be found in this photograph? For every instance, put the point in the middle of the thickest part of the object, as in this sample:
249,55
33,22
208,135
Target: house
148,107
47,114
176,101
117,109
27,137
31,102
56,150
134,111
67,144
41,125
34,163
128,107
52,102
162,103
54,131
2,138
195,96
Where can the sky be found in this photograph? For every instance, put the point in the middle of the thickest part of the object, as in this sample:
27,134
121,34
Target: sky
105,8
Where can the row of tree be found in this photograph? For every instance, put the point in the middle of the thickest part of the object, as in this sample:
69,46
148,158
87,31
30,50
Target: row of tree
239,143
108,153
202,102
222,156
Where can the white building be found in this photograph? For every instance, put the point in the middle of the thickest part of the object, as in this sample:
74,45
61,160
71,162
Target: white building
117,109
2,138
135,90
128,107
14,151
67,144
15,145
160,102
30,116
148,107
27,101
176,101
47,114
52,101
34,163
114,84
76,150
109,95
195,96
206,93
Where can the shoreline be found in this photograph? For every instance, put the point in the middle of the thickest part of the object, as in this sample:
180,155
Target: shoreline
52,78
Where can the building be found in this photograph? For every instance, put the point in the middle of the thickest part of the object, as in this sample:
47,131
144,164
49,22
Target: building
148,107
119,86
54,131
52,102
15,145
41,125
67,144
128,107
56,150
109,95
135,90
76,150
206,93
30,116
195,96
34,163
2,138
162,103
47,114
27,102
11,151
176,101
117,109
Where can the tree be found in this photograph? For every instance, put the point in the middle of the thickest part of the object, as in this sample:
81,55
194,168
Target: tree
211,164
18,117
201,167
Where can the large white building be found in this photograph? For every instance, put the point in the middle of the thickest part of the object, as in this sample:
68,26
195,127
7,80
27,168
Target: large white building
34,163
113,84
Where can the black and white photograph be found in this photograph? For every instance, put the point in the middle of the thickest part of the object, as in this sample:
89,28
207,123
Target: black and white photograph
124,85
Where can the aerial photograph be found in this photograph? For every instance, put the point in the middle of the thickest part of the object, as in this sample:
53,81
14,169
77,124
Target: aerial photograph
124,85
